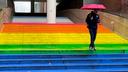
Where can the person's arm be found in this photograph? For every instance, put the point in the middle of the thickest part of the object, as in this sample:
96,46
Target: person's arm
98,19
88,20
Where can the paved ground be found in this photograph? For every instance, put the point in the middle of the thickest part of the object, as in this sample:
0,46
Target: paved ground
38,19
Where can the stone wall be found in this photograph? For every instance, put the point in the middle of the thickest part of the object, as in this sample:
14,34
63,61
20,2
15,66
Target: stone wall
117,7
125,6
5,15
115,23
112,5
124,10
3,4
76,15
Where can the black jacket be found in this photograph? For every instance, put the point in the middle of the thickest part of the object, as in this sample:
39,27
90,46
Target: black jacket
92,20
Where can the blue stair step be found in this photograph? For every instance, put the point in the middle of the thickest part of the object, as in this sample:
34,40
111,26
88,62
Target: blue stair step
73,70
63,56
65,63
110,67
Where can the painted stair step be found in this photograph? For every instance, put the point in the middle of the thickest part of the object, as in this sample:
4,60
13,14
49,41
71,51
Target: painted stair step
110,61
65,64
74,70
22,47
40,67
58,38
49,28
67,60
65,52
95,56
91,56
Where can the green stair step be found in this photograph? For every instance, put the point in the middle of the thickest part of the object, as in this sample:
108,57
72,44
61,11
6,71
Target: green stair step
66,52
63,47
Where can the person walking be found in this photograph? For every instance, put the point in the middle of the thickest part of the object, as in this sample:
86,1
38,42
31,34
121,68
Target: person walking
92,21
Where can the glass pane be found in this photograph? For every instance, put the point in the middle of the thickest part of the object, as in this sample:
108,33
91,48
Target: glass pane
40,7
22,6
37,7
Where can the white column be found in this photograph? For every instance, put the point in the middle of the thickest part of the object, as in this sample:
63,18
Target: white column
51,11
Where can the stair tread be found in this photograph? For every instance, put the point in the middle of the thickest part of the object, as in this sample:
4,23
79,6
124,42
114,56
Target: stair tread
74,70
50,59
68,64
57,57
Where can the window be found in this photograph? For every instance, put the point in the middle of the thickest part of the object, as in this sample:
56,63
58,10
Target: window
22,6
40,7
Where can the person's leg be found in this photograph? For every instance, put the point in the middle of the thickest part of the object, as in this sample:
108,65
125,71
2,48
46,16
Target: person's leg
93,33
91,37
94,36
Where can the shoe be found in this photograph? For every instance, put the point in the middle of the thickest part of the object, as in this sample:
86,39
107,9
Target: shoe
92,48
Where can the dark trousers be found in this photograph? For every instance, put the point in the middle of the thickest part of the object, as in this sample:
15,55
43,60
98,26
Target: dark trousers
93,33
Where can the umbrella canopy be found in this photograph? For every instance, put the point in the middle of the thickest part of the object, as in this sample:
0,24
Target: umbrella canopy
93,6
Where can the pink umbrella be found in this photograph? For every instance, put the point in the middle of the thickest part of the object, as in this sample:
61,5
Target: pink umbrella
93,6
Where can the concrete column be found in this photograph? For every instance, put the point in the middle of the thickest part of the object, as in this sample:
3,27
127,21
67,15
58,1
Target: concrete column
51,11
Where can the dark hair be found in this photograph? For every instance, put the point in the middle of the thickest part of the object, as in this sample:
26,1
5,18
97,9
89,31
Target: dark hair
92,12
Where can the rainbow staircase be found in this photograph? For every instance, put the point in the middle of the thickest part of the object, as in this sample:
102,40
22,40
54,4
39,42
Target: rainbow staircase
36,47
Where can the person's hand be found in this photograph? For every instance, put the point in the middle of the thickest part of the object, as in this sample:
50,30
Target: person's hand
87,26
99,23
